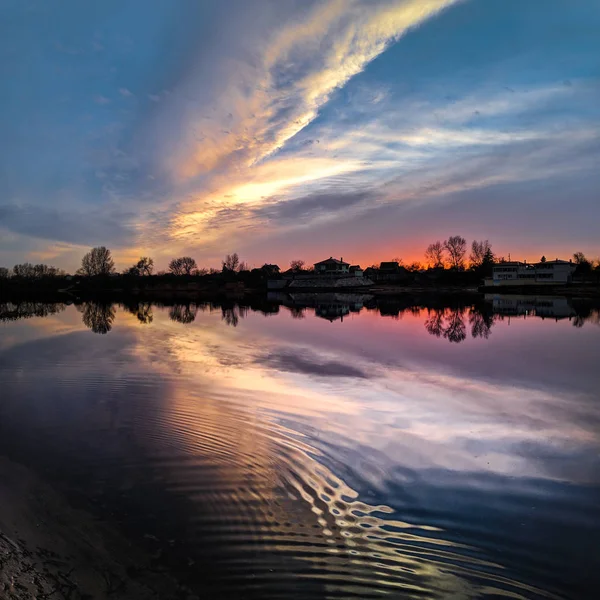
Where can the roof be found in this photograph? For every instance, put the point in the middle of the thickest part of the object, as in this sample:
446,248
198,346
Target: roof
509,263
332,260
390,264
554,262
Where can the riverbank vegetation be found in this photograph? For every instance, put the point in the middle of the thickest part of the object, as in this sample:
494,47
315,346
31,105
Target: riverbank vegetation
447,264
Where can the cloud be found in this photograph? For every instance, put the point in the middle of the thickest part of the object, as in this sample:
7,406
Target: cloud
101,99
125,92
228,126
307,363
94,226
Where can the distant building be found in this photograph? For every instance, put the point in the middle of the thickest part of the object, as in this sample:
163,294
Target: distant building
555,272
332,266
270,270
356,271
390,271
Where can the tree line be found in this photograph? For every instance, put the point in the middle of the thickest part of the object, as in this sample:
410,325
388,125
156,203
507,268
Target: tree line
448,254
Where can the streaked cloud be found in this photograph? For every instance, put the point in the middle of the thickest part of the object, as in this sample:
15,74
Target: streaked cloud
204,130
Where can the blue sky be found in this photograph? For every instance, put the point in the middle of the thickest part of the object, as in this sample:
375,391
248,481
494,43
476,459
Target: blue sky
285,129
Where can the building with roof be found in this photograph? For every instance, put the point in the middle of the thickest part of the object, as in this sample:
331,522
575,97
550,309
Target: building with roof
554,272
332,266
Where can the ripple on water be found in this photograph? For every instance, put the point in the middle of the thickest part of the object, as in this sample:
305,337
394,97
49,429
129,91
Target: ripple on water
263,495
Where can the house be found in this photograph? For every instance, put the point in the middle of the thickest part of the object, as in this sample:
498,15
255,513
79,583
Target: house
270,270
332,266
356,271
390,271
555,272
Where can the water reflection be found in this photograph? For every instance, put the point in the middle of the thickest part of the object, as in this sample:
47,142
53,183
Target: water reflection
183,313
443,317
364,458
13,311
98,316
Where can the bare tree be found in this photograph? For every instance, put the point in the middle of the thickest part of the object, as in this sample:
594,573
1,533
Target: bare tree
243,266
456,246
4,273
415,266
144,266
98,261
479,251
297,265
435,254
231,262
184,265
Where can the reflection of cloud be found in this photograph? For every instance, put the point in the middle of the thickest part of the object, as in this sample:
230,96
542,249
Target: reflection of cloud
306,363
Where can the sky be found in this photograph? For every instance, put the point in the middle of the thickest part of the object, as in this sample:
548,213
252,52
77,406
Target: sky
297,129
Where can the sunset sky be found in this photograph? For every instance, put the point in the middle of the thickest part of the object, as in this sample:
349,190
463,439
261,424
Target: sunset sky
286,129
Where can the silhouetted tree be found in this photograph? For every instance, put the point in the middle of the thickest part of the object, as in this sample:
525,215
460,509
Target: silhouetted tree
144,266
4,273
231,262
434,255
479,251
297,265
584,266
40,271
456,246
414,266
98,317
243,266
543,259
98,261
183,313
182,266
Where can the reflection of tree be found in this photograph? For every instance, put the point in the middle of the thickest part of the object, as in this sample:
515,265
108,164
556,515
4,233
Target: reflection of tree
13,311
230,316
297,312
183,313
481,323
455,330
144,313
98,317
450,325
435,323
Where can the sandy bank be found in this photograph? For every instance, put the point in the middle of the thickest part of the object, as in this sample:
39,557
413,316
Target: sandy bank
49,549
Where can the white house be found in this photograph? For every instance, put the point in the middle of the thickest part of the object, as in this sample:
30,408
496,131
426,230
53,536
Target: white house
553,272
332,266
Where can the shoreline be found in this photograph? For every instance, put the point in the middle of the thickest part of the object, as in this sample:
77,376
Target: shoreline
49,549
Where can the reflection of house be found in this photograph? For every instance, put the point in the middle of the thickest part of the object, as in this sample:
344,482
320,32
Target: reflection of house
327,305
332,266
555,272
331,312
556,307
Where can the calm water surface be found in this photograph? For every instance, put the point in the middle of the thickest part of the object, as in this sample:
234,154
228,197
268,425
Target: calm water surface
334,451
